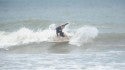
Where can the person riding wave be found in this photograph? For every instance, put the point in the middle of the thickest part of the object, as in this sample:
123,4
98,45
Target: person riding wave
59,29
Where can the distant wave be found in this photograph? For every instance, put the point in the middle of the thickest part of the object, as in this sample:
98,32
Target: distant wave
24,35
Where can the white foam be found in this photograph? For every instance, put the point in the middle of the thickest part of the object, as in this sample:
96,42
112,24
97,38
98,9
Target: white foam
83,35
100,67
25,35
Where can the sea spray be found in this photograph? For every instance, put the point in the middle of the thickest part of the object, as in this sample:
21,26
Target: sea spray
24,35
83,35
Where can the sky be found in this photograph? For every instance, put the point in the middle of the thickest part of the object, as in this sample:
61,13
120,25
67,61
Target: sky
107,11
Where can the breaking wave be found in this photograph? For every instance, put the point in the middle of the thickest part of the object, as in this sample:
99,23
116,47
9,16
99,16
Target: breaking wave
24,35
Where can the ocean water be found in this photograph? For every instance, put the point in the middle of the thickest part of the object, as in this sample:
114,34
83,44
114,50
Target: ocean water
88,49
96,30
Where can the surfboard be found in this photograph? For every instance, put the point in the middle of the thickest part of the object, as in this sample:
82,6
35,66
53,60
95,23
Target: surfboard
59,39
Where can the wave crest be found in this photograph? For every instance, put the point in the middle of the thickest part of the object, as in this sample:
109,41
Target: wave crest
24,35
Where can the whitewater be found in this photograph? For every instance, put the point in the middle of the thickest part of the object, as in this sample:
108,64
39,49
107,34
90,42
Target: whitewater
24,35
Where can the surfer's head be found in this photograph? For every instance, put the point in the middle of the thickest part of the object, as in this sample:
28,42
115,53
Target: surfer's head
62,26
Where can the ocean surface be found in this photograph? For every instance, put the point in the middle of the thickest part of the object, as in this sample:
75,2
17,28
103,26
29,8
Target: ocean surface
96,30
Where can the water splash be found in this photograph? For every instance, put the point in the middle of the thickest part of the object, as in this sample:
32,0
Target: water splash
24,35
83,35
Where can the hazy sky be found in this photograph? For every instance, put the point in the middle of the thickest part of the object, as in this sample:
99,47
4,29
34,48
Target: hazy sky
64,10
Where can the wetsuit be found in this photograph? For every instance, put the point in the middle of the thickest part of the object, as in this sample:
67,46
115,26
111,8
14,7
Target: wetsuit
59,31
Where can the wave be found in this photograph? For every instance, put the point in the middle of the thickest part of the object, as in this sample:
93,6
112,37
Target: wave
83,35
24,35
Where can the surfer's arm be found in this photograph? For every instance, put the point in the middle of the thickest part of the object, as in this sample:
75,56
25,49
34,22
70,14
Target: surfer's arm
66,24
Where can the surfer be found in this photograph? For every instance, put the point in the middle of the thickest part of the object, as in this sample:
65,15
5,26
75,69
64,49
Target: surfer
59,30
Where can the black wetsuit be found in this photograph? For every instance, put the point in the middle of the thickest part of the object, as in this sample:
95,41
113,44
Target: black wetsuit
59,31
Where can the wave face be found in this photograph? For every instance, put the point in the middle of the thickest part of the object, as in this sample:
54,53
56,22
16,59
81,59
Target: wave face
25,35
